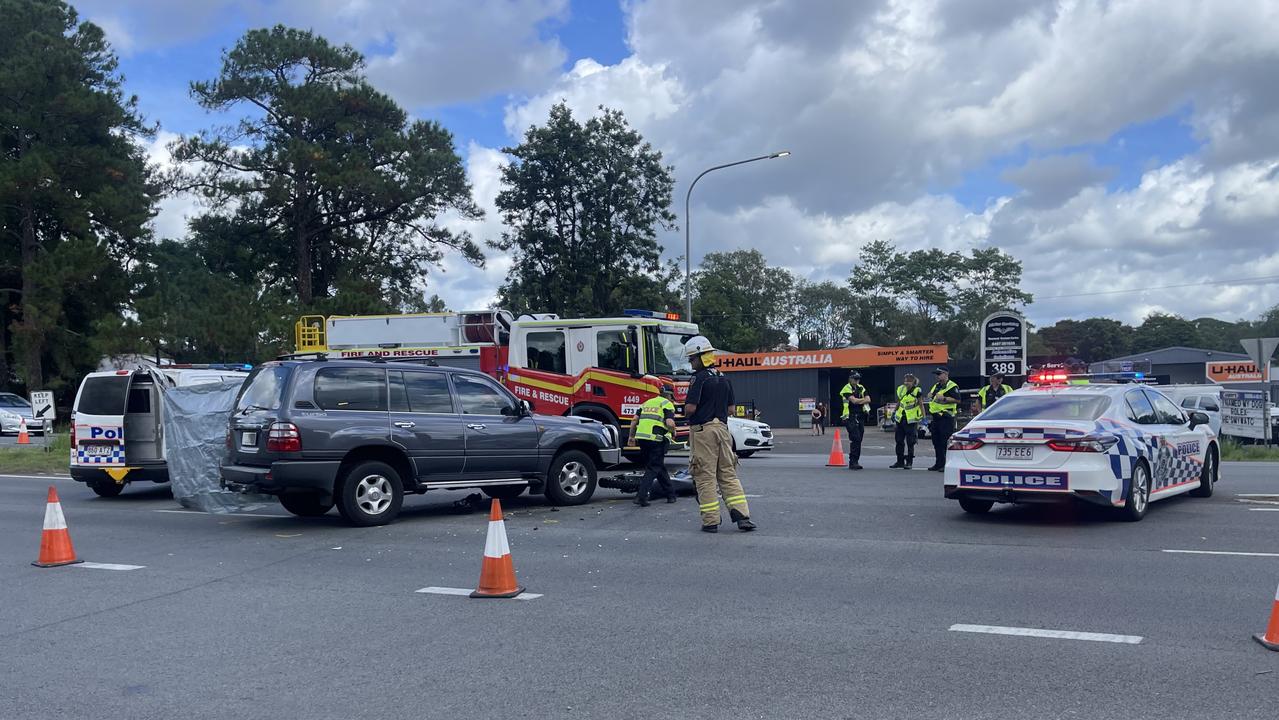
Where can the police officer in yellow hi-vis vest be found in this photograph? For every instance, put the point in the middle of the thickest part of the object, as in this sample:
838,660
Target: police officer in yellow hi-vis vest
713,463
906,421
856,403
943,405
992,392
652,427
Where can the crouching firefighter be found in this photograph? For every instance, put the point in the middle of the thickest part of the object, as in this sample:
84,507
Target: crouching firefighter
714,465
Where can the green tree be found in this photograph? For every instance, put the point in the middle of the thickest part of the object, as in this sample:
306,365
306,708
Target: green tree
1161,330
1090,340
741,303
1221,335
820,313
582,203
75,191
336,187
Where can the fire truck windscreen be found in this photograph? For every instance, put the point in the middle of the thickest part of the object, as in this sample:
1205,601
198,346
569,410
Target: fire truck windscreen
666,352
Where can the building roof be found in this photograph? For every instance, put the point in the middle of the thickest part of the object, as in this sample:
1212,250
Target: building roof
1180,354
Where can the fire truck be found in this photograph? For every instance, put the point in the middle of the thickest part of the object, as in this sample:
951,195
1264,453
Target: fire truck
601,368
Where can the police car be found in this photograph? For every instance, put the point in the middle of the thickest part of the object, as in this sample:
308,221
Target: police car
1116,444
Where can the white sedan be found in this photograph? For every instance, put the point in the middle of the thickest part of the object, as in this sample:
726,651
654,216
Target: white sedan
749,437
1120,446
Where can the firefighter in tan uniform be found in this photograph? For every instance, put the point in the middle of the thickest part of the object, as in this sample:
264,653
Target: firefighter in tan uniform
714,465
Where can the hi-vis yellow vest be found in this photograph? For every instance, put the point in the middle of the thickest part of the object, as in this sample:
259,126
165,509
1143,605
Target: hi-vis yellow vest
908,409
937,408
652,415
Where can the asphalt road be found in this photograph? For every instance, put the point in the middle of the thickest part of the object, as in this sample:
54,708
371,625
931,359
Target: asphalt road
840,606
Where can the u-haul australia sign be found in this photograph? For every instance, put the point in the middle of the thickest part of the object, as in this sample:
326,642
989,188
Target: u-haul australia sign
1233,371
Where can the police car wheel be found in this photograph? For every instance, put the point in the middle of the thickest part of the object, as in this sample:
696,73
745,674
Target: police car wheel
744,453
975,506
107,489
370,493
1208,477
1137,500
572,478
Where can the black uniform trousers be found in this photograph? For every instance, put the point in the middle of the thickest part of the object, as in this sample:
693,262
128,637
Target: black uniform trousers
941,426
653,458
904,436
856,428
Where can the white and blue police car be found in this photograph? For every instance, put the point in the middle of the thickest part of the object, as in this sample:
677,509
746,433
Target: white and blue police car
1119,445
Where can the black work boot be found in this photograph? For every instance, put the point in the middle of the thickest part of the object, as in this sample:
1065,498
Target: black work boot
743,522
909,462
710,528
897,465
854,465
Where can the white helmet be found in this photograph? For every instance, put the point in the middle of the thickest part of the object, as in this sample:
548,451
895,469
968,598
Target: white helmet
697,345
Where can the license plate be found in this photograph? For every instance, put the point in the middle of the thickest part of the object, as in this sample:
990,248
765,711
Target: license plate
98,450
1014,452
249,439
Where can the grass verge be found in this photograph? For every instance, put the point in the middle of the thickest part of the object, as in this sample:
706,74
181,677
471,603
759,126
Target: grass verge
35,458
1231,450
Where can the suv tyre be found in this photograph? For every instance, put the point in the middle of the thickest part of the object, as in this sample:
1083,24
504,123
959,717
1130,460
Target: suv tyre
370,493
306,504
571,479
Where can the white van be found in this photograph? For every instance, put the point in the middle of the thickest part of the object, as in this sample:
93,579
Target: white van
1202,398
117,423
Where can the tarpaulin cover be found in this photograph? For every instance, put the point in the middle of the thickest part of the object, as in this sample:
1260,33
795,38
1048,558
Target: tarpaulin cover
195,426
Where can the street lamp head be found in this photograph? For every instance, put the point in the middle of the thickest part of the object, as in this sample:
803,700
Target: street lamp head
783,153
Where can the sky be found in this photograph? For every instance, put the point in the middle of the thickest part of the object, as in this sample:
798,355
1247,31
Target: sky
1125,151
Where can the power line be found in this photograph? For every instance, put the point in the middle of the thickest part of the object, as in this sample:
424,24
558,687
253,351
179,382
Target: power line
1237,281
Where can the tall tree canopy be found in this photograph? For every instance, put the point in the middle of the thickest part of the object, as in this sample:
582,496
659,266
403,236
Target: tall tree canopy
741,303
583,203
75,192
337,188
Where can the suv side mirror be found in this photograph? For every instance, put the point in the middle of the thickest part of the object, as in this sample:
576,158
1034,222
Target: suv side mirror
1197,418
526,408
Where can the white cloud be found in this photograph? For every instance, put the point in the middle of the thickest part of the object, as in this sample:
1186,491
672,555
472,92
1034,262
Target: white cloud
462,285
644,92
173,212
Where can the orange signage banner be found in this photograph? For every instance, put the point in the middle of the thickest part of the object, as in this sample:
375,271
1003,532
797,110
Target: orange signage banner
842,357
1233,371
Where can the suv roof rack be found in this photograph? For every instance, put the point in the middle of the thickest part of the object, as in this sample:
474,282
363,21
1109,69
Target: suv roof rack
429,362
304,356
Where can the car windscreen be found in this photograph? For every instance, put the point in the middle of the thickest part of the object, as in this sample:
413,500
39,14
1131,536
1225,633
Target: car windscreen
1048,407
13,401
103,395
264,388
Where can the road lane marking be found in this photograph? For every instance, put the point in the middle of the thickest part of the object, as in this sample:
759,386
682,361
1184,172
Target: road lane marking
108,566
1260,495
1221,552
465,592
1054,634
246,514
1275,509
36,477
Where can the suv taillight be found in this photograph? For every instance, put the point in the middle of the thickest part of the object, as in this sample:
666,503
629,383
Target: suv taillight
283,437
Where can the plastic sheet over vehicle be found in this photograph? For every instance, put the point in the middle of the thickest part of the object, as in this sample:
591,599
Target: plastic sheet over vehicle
195,427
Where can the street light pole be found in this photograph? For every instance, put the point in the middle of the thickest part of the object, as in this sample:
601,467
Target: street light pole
688,245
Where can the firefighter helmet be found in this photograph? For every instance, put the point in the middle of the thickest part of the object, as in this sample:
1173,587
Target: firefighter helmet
698,345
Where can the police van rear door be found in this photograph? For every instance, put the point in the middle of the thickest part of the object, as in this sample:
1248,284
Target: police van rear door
98,419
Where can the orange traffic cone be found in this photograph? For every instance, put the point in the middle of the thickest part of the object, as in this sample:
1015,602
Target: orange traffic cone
55,542
837,458
1270,639
23,438
497,574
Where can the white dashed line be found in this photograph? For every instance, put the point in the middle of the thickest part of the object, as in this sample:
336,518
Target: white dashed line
107,566
1221,552
1054,634
36,477
1274,509
197,512
465,592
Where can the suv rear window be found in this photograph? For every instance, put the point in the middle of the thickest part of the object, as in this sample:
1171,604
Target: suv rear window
103,395
264,388
351,389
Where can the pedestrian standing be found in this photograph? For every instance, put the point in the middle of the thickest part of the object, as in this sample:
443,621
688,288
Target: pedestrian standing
816,415
821,417
943,405
906,419
856,404
993,391
713,463
652,427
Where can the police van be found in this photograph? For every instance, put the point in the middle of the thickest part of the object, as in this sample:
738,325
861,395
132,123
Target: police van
117,422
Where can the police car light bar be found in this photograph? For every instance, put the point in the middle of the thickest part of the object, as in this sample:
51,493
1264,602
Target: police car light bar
655,314
1057,377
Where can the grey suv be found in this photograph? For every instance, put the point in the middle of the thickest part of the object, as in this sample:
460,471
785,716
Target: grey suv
360,434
